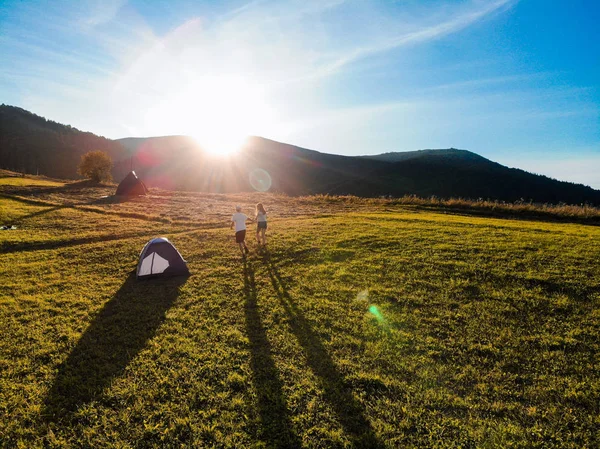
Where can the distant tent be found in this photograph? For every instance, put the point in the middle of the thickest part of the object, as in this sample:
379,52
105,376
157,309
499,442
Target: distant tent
160,258
131,186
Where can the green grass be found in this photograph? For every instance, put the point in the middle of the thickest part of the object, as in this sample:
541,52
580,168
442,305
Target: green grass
388,328
29,181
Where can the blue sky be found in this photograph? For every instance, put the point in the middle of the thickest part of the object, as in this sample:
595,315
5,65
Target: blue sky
515,81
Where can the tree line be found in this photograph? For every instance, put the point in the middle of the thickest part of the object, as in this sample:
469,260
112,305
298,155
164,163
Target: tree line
32,144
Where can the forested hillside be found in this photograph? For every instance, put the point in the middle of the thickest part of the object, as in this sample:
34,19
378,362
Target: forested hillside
460,173
32,144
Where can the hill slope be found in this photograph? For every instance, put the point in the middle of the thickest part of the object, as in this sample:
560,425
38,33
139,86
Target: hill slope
369,326
33,144
179,162
461,173
296,171
451,154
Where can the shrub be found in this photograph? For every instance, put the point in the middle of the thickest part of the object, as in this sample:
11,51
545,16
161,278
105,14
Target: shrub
96,166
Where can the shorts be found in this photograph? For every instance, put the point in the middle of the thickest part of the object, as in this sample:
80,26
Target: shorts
240,236
261,225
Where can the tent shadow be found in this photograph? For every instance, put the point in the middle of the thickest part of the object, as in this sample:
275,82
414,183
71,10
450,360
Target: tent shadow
335,389
116,335
276,428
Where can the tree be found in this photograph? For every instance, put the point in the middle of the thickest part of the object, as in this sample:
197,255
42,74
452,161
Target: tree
96,166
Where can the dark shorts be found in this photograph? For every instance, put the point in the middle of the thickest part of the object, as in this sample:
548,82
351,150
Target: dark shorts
240,236
261,225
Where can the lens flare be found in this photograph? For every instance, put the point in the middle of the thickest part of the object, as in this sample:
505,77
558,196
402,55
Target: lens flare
374,310
260,180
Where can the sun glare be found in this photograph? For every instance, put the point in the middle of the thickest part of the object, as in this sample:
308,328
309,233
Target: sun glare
220,144
218,111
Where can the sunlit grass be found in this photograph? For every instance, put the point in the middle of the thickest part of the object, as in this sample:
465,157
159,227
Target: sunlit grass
16,181
379,326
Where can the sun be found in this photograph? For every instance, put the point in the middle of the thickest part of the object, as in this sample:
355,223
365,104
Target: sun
221,144
219,112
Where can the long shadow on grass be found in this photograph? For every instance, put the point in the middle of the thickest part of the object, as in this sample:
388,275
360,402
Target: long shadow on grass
507,214
574,291
116,335
276,428
16,247
20,220
336,392
72,187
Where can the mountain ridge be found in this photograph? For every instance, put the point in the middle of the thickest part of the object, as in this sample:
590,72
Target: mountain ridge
399,156
33,144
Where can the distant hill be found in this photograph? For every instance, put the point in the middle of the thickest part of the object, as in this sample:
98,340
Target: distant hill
178,162
461,173
32,144
450,154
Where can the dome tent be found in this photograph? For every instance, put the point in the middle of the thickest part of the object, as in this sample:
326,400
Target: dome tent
160,258
131,185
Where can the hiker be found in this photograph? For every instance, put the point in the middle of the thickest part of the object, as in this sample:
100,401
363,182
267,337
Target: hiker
261,224
239,220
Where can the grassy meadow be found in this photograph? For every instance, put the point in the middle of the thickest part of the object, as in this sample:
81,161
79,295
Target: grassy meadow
364,324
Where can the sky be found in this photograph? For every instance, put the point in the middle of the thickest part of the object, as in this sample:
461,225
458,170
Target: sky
515,81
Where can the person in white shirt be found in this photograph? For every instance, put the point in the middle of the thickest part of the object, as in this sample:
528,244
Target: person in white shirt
239,220
261,224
